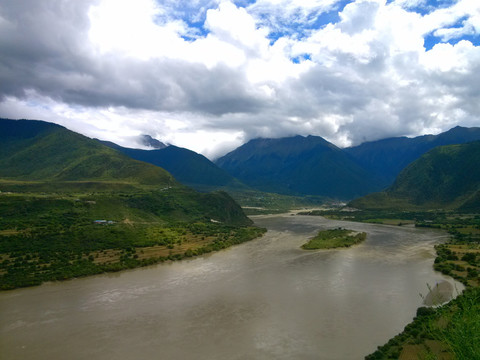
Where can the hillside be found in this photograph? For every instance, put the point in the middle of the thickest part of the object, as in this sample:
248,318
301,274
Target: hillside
38,151
446,177
386,158
298,166
39,155
67,200
186,166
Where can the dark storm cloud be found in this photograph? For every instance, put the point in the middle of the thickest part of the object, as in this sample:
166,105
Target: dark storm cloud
44,49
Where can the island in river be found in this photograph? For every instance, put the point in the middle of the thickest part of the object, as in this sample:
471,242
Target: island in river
334,238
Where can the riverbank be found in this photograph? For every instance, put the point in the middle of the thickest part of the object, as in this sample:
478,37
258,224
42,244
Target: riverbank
436,332
266,299
335,238
143,245
448,331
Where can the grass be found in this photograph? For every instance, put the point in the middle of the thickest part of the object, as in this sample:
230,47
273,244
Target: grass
459,329
106,248
336,238
51,235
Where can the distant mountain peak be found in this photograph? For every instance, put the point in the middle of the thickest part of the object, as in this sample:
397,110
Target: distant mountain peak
147,140
298,165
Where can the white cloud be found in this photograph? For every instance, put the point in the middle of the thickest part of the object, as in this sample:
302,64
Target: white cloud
446,57
235,25
209,74
442,21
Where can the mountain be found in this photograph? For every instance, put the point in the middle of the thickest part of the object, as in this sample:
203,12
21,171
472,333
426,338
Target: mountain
186,166
32,150
298,166
446,177
40,156
386,158
147,140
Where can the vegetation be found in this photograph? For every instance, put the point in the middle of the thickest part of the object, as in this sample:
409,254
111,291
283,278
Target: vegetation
46,237
446,332
443,178
336,238
386,158
186,166
298,166
70,206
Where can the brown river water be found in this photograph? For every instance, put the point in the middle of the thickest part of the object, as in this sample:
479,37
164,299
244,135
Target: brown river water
265,299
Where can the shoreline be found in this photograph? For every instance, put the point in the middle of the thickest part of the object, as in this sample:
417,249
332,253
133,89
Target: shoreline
334,239
116,260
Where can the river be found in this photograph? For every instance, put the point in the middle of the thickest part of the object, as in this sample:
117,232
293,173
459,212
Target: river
265,299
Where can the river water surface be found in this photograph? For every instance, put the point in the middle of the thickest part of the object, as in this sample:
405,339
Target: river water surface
265,299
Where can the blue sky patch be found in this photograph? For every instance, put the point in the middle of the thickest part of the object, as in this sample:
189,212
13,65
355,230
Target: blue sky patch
301,58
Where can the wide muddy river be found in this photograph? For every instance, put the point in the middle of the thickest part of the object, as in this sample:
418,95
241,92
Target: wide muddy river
265,299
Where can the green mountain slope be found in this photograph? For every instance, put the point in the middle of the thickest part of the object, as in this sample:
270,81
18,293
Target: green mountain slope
39,156
41,151
186,166
387,157
445,177
298,166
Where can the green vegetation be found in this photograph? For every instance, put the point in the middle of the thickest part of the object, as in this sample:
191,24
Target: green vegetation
186,166
70,206
443,178
336,238
446,332
298,166
461,224
459,326
386,158
47,237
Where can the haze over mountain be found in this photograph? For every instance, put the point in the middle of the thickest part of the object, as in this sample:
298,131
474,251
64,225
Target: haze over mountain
147,140
299,165
446,177
386,158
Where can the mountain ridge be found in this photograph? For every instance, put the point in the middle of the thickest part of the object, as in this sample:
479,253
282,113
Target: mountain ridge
53,153
298,165
188,167
387,157
40,155
445,177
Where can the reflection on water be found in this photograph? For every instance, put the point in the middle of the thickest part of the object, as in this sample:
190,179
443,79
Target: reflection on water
266,299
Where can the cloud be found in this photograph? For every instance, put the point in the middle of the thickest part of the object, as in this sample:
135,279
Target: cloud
210,75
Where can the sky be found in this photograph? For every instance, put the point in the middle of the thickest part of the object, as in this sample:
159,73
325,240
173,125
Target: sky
209,75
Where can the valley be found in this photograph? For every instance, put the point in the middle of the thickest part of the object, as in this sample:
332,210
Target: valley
244,180
72,207
266,298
